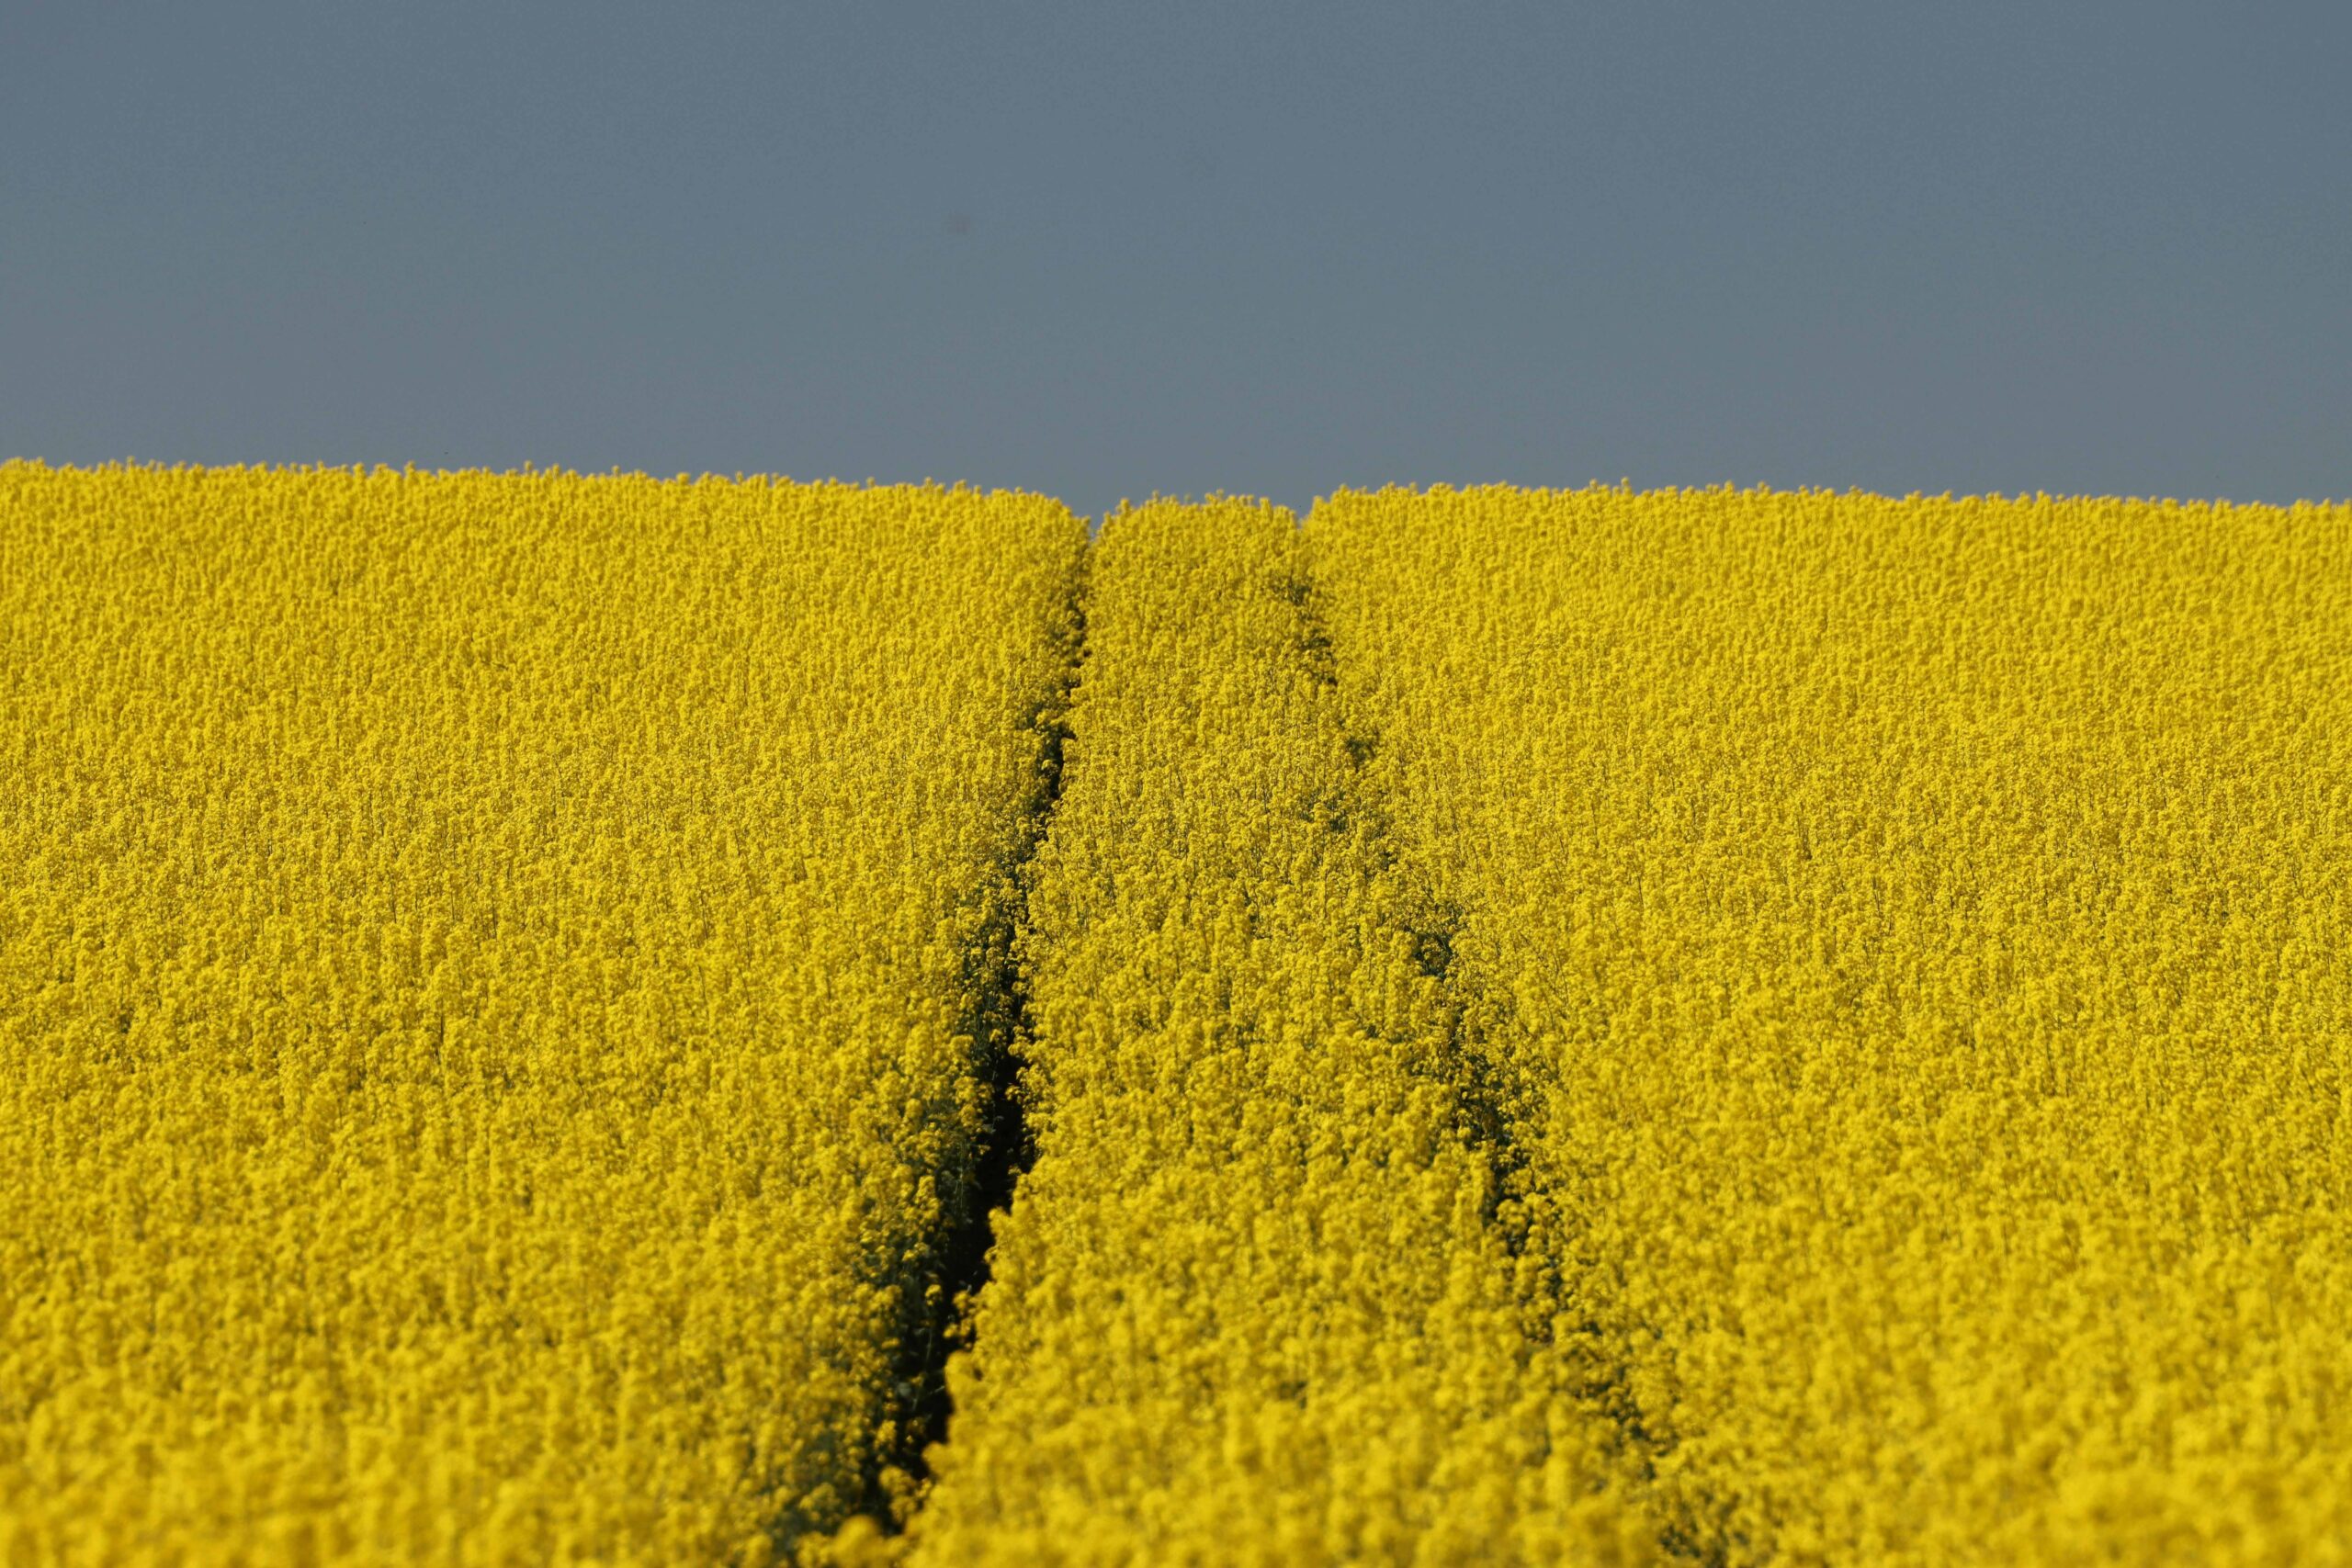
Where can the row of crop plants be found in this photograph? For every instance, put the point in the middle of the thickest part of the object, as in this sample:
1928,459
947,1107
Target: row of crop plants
1915,934
492,1031
1251,1304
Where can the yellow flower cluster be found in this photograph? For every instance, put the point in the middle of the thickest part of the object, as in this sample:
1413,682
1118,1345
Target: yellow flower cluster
1914,939
1254,1302
1794,1028
495,981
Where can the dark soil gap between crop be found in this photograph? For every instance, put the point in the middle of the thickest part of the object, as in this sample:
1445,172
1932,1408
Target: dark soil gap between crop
1490,1105
999,1018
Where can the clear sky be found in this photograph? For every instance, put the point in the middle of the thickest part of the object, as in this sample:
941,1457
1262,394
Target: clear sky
1107,250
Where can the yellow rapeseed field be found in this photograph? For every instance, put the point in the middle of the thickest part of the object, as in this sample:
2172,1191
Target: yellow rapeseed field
1252,1305
1734,1027
1916,939
495,981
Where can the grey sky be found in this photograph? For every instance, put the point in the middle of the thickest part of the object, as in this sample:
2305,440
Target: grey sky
1273,248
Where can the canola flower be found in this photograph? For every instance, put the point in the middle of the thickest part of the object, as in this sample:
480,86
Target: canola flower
1254,1302
496,981
1911,936
1791,1028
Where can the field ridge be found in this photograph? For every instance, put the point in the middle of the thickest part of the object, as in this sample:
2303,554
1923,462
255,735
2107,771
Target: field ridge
1252,1304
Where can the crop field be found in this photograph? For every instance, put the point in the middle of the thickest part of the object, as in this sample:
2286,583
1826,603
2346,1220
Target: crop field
589,1019
1917,937
494,1000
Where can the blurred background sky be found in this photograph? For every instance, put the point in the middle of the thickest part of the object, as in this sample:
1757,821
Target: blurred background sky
1107,250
